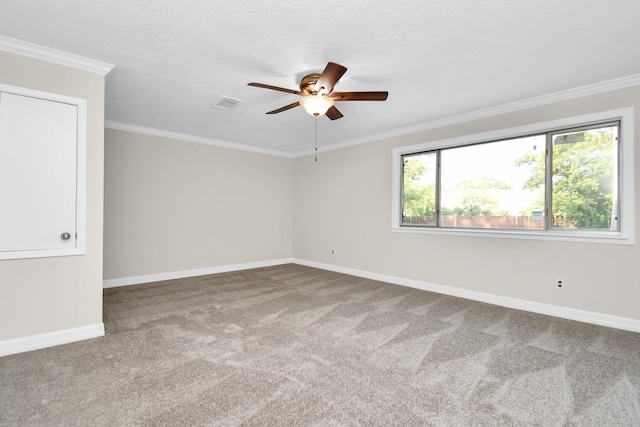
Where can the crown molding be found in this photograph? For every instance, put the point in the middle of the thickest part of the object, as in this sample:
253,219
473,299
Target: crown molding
565,95
192,138
20,47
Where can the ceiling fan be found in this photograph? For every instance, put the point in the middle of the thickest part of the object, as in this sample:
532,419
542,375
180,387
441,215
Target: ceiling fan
317,92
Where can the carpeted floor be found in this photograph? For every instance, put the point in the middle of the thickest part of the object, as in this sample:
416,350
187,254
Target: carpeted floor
292,345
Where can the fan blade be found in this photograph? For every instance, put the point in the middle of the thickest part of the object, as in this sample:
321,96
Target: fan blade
359,96
285,108
329,77
333,113
281,89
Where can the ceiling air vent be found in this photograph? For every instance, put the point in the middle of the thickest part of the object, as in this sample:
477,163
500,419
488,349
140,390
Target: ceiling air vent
226,103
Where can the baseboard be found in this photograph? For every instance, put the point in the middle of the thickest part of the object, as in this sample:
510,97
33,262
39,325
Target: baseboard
534,307
50,339
595,318
136,280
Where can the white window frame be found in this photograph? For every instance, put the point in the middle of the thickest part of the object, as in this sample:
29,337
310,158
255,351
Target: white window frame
626,233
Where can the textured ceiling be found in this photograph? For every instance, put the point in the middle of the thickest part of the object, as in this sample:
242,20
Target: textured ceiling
437,59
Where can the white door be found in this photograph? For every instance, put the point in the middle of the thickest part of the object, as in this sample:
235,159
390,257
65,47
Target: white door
38,168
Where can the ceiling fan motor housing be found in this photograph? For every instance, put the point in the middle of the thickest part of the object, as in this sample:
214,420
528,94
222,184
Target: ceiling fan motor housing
308,82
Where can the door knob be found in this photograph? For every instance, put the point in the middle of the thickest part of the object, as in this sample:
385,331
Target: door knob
65,236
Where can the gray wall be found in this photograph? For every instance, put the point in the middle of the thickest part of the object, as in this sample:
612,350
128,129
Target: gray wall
51,294
343,202
173,206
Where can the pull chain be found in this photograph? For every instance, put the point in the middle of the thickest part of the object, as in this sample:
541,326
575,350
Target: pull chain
315,158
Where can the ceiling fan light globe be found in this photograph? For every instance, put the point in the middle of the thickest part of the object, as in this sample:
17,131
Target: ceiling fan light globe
316,105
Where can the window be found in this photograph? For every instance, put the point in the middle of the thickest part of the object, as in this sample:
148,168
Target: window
419,188
584,193
482,185
563,181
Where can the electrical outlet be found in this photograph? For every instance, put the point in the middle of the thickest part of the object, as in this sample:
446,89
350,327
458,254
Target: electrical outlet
559,284
333,251
142,260
197,254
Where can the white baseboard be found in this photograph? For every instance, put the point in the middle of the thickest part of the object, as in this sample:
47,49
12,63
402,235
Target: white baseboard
535,307
136,280
50,339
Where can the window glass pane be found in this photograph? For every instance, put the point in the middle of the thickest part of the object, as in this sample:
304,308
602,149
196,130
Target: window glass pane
419,189
494,185
584,179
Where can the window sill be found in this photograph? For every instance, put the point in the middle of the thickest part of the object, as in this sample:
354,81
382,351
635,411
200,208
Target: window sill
602,237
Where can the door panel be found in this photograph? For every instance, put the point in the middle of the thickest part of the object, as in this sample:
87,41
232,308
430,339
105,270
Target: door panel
38,168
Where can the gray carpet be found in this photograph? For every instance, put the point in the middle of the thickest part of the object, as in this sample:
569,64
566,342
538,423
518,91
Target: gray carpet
293,345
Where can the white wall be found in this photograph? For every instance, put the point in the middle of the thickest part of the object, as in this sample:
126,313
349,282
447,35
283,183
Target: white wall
39,296
174,206
343,202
